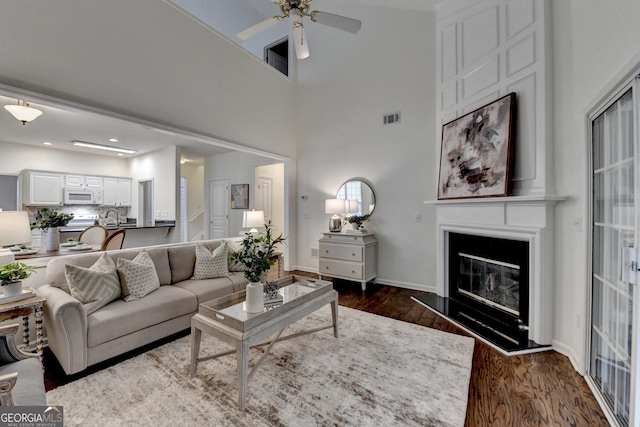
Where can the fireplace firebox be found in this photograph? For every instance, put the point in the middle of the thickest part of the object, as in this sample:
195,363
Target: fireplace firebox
489,278
488,290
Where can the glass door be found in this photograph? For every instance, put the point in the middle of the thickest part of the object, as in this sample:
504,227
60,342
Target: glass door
615,219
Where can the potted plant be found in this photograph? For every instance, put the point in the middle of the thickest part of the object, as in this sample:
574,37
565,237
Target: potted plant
11,276
48,221
257,257
356,221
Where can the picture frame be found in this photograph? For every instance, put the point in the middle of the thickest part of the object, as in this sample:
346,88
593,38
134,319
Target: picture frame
476,155
239,196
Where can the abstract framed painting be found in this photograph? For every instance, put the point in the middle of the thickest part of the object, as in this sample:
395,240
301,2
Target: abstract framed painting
476,157
239,196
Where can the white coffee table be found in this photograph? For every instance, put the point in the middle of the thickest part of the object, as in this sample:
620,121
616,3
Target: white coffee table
225,319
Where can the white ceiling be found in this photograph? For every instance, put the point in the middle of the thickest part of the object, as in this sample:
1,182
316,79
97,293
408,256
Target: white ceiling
59,125
67,121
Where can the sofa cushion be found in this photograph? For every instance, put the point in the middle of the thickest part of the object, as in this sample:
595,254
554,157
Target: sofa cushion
233,246
138,276
29,389
182,260
209,289
211,265
121,318
95,286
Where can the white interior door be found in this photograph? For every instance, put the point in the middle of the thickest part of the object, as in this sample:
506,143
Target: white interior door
613,373
218,208
264,198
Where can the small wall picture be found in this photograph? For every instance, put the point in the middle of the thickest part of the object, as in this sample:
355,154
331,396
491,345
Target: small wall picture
239,196
477,152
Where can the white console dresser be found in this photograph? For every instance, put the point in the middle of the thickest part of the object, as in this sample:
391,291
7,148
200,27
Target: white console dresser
349,256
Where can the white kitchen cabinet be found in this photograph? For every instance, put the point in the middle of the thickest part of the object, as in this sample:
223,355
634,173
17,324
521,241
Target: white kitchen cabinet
83,181
117,192
349,256
42,188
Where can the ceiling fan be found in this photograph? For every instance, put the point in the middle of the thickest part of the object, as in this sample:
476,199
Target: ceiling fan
296,10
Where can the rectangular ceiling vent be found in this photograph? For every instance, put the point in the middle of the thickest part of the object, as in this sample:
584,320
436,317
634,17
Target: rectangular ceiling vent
391,118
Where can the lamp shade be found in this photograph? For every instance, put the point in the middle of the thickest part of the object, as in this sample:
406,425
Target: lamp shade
14,228
252,219
352,206
334,206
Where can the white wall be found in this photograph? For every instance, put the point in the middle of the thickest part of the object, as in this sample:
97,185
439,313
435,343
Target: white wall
345,88
593,41
194,175
237,168
162,166
16,157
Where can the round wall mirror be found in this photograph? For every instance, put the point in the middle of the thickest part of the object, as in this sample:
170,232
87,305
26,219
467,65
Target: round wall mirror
356,189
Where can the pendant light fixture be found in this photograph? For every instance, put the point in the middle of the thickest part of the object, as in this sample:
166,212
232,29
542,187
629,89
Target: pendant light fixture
23,112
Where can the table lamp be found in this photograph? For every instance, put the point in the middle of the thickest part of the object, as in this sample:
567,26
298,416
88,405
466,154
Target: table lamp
252,219
14,230
336,207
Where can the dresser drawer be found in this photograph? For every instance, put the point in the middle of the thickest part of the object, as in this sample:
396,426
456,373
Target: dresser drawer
341,251
337,268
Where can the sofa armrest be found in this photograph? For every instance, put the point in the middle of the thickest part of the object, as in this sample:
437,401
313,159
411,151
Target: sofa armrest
65,321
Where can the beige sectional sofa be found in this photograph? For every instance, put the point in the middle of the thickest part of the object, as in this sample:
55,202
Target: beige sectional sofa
80,340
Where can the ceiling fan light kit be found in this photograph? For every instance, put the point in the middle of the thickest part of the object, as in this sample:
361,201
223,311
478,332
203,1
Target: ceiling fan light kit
300,9
23,112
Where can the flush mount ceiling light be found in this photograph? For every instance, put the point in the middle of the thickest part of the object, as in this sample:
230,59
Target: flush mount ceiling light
102,147
297,10
22,112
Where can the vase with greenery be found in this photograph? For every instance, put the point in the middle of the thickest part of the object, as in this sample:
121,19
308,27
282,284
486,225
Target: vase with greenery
12,275
357,220
257,256
48,221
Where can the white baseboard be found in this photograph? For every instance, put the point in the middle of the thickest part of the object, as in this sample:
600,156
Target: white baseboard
565,350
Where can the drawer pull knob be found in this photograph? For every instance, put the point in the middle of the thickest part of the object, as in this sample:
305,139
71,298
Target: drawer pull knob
353,271
353,254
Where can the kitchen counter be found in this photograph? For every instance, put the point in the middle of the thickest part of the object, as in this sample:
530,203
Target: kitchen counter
126,225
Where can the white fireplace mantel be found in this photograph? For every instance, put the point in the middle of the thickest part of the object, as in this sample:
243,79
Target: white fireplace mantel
525,218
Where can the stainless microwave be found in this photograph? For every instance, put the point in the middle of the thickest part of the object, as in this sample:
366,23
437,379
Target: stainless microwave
82,196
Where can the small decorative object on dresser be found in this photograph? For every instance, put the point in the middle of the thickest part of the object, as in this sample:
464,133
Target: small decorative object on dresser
356,222
257,255
49,221
349,256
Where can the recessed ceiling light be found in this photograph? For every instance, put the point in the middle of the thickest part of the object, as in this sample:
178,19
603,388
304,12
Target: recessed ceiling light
47,143
120,154
113,140
102,147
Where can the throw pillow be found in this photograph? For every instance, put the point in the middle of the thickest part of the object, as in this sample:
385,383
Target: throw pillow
233,264
138,276
210,265
95,286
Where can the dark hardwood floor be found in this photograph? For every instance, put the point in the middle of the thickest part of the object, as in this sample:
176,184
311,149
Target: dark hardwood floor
540,389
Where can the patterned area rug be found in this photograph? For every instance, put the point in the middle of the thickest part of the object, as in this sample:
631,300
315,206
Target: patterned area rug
379,372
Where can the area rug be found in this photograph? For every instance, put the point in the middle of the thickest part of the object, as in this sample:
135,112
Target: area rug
379,372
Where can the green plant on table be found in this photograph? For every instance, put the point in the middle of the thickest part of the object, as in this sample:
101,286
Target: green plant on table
14,272
257,253
47,218
357,219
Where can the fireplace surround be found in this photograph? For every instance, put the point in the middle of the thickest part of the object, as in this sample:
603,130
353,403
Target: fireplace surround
527,222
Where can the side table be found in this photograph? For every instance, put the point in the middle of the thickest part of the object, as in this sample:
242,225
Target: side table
24,308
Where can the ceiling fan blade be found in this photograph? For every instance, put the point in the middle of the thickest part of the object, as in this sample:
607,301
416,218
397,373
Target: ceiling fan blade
258,28
337,21
300,41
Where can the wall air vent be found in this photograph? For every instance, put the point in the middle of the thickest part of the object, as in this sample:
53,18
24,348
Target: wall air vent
392,118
